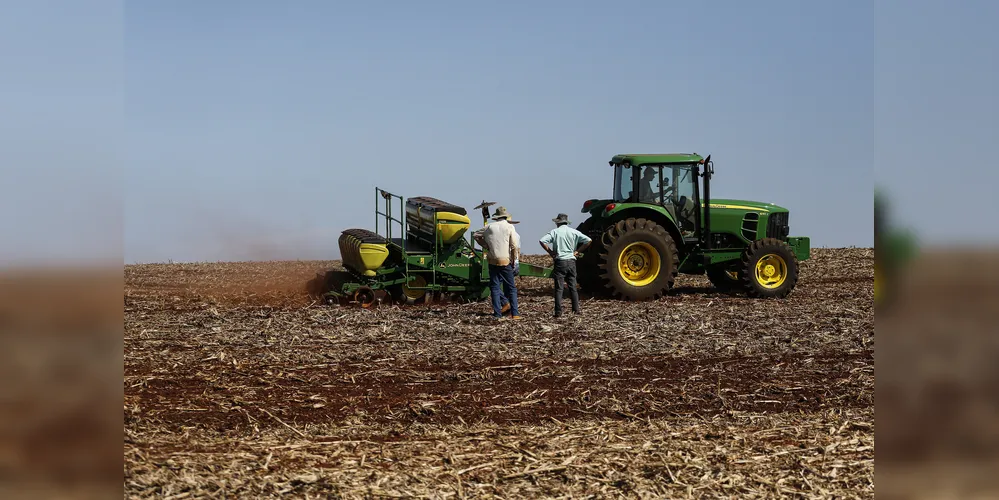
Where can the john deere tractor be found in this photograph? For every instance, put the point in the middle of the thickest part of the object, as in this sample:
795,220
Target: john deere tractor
661,221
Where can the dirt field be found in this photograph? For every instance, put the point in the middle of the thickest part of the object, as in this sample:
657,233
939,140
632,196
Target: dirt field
237,385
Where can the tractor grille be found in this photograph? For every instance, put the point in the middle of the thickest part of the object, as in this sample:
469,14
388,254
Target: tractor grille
777,226
750,222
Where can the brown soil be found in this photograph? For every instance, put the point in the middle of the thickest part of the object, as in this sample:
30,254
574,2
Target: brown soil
236,382
503,392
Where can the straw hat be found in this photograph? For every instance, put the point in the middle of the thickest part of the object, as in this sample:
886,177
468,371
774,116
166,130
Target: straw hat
501,213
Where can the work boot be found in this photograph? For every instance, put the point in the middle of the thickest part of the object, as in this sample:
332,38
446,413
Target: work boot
505,309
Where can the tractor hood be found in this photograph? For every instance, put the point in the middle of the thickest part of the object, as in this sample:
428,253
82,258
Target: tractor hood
596,205
742,205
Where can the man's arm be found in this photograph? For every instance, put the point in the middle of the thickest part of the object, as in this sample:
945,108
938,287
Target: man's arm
479,237
548,250
514,245
545,241
585,240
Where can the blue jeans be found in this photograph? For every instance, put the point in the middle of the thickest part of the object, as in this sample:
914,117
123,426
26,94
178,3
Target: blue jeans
501,284
503,300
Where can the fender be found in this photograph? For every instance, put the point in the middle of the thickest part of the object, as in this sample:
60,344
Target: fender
655,213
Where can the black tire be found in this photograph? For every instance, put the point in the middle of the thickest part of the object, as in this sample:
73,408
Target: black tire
779,256
646,244
587,266
723,281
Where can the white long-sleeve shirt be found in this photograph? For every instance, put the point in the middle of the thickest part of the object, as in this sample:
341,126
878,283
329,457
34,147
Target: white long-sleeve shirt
501,241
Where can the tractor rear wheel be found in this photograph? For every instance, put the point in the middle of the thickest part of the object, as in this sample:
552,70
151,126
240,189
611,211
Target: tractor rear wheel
640,260
769,269
587,270
725,280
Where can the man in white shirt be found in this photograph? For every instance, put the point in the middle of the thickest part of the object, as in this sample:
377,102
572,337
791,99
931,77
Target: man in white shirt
502,244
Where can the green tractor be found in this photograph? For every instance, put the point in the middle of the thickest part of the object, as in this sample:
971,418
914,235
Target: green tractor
655,226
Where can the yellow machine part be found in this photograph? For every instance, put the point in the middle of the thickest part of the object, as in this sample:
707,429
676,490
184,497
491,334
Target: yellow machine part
431,221
452,226
363,251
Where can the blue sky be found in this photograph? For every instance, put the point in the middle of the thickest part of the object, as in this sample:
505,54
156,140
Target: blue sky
222,130
261,131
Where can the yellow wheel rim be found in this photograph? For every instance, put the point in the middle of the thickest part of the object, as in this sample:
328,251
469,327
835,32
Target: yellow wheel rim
639,264
417,281
771,271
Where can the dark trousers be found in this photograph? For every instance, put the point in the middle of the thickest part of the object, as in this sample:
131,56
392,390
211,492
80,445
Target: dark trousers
501,283
565,276
504,302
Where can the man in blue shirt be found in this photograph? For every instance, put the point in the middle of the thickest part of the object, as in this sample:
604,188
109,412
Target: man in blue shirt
564,244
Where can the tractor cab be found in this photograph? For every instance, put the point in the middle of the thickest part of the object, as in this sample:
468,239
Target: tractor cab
670,186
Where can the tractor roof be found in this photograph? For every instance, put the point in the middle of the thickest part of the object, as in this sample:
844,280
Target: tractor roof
655,159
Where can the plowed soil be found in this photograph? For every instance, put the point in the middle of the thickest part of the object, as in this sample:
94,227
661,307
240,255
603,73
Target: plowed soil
237,384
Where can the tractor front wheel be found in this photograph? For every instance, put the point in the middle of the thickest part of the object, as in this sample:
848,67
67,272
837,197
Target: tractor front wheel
640,261
769,269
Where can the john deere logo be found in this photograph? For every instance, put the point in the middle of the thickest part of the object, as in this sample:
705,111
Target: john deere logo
445,265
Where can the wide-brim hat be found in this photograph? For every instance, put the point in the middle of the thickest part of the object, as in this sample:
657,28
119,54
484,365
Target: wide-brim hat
501,213
561,218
